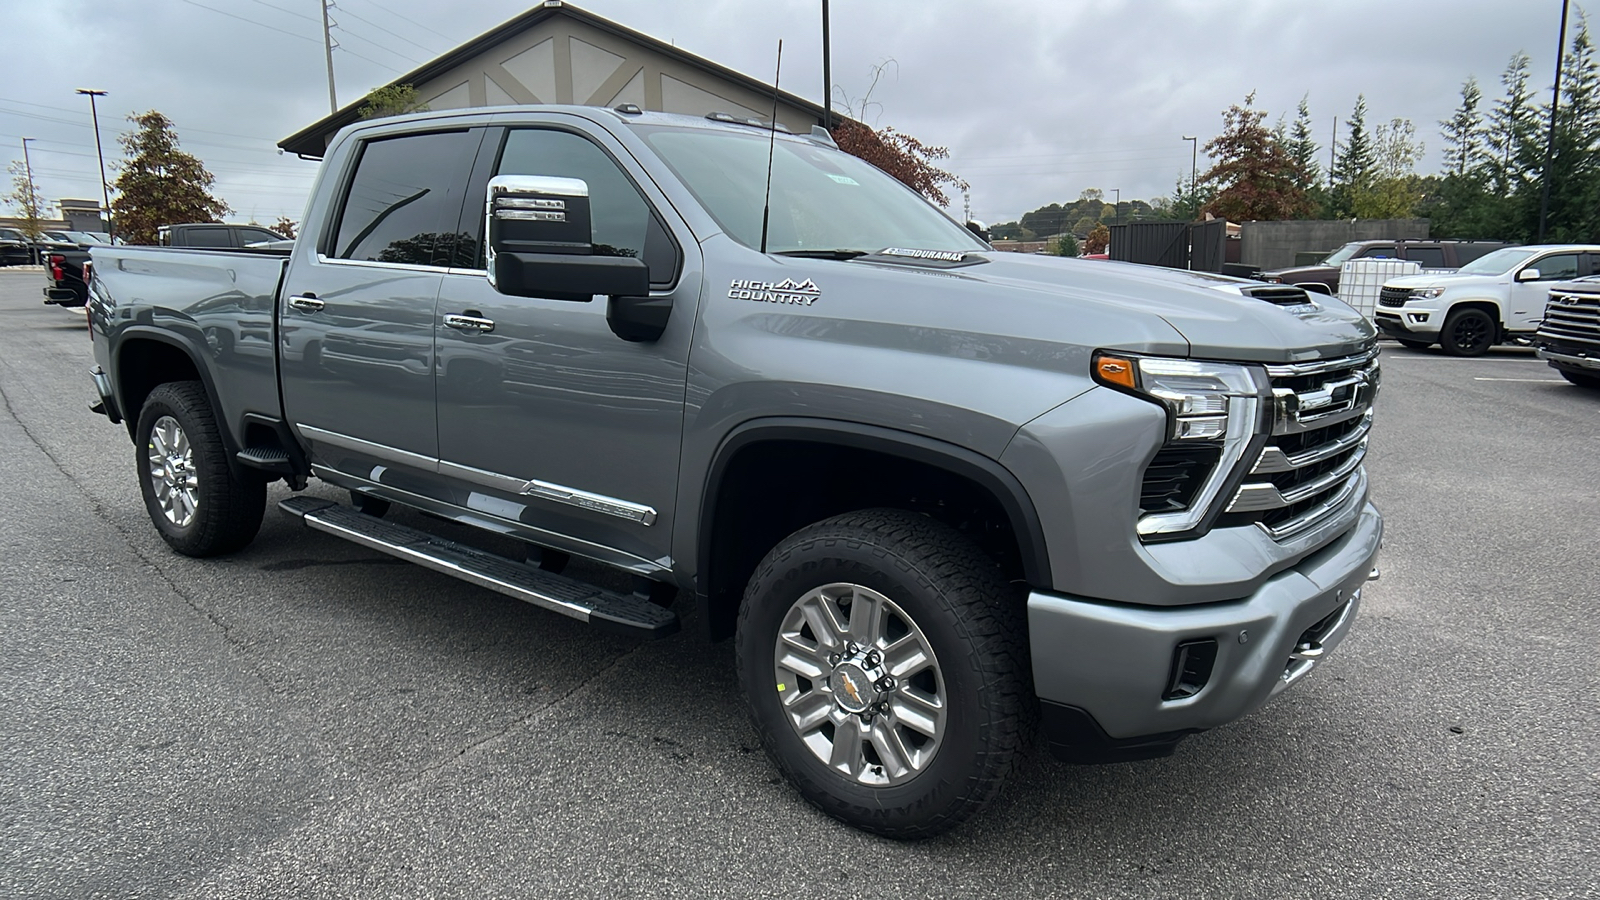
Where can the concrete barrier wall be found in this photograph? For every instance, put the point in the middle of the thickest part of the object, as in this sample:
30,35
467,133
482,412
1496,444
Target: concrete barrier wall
1272,245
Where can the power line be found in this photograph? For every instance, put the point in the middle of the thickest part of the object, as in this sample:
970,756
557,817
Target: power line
348,33
425,49
288,12
428,28
251,21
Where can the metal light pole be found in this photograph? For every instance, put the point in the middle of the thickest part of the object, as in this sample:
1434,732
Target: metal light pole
1117,219
1194,165
105,192
1550,147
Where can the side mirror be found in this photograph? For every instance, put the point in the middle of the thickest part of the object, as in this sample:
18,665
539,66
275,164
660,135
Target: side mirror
539,243
1528,275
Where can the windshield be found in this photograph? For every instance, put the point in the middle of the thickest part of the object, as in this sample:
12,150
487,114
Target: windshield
1498,262
85,237
1337,257
822,199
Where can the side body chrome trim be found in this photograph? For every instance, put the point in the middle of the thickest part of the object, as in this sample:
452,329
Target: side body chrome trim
372,263
556,493
543,490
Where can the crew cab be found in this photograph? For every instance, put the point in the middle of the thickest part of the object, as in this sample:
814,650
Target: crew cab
934,493
1428,254
214,234
1498,298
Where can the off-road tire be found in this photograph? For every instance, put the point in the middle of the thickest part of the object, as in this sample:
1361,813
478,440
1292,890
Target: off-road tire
228,510
972,620
1468,332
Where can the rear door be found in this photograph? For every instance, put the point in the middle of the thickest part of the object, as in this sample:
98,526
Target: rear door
550,420
357,315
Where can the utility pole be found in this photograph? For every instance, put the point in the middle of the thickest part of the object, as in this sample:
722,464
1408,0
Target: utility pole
1117,219
1550,147
1194,165
827,73
327,51
105,192
1333,151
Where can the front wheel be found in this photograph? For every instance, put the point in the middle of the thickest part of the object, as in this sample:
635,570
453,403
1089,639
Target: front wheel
1581,379
883,660
193,498
1467,332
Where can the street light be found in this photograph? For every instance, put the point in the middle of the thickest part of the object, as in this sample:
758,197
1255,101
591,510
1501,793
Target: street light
105,192
1117,219
1194,164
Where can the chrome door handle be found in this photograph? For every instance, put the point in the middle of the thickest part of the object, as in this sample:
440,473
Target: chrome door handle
469,323
306,304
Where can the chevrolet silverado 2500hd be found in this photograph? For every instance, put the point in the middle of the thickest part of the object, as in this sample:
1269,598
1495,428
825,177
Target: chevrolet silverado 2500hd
937,495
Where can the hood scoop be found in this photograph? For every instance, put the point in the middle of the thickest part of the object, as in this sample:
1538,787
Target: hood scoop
1278,294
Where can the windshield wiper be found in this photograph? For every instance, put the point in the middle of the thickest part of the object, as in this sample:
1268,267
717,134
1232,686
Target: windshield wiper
823,254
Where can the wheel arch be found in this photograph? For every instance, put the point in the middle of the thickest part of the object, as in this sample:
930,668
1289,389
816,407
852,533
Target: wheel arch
727,547
1487,305
145,358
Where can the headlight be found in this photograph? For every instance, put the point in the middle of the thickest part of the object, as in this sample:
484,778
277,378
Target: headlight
1206,402
1426,293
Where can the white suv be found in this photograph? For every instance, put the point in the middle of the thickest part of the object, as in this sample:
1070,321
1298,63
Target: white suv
1490,300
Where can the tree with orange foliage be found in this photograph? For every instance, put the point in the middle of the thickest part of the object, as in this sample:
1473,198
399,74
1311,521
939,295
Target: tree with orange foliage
900,155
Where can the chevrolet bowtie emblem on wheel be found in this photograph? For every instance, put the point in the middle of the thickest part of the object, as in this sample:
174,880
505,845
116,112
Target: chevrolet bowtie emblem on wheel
850,688
800,293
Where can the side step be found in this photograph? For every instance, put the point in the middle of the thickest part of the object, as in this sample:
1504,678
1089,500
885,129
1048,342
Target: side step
267,459
622,613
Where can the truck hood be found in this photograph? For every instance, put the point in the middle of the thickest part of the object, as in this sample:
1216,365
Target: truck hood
1208,311
1415,282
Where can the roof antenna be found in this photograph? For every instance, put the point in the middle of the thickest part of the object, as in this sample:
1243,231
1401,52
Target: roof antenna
766,206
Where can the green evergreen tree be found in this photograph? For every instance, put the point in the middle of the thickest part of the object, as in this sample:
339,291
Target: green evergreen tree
1511,131
1463,133
1303,148
1353,172
1574,172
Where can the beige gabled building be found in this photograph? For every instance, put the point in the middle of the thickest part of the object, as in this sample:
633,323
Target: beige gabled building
558,53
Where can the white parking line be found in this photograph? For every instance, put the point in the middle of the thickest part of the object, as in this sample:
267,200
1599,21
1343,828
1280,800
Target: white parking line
1525,380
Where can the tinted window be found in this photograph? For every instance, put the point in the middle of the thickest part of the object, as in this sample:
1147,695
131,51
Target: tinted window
1429,257
251,235
1378,253
1468,252
620,222
205,237
398,200
1557,268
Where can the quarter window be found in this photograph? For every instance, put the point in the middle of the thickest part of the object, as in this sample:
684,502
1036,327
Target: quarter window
1428,257
208,237
400,197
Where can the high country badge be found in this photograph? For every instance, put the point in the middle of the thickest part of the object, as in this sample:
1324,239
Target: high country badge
800,293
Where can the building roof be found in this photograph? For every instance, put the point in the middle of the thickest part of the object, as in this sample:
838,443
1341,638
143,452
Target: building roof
313,139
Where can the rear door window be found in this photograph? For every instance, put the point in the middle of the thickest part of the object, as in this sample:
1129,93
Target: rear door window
1378,253
404,191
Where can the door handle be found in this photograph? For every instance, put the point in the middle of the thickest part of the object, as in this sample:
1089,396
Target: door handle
306,303
469,323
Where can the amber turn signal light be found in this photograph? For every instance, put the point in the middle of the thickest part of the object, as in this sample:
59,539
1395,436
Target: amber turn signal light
1115,370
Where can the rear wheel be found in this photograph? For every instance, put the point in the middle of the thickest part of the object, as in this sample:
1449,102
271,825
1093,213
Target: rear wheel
192,496
1581,379
1467,332
883,661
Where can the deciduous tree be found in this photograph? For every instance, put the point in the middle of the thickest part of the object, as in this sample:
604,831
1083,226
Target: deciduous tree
24,197
1253,174
902,156
285,226
1098,239
160,184
391,100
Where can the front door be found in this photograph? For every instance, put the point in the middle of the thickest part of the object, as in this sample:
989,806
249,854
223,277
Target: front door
550,420
356,329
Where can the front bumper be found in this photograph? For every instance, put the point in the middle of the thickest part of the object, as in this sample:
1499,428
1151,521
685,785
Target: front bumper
1564,358
1106,674
1408,323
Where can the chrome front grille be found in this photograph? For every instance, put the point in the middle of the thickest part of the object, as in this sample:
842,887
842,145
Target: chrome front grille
1571,317
1311,465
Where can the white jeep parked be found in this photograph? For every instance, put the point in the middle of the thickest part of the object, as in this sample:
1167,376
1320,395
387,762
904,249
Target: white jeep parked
1494,299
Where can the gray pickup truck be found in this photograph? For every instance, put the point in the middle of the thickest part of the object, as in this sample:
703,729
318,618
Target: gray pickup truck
941,497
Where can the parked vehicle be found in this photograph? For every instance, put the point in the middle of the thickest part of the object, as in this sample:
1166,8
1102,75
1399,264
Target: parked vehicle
1429,254
934,492
78,238
1495,299
65,273
213,234
1569,336
15,248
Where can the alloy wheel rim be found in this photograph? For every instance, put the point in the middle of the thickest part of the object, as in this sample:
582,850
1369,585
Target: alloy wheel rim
172,474
860,685
1469,333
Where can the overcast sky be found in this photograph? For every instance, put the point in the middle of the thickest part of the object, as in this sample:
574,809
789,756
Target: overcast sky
1036,100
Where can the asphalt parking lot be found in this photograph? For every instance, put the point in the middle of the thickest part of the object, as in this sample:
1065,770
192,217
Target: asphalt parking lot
310,719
